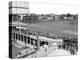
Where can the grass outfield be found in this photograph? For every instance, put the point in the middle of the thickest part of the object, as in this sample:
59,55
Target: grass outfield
53,27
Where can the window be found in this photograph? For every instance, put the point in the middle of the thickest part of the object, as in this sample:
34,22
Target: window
16,36
13,36
21,37
31,41
25,39
28,40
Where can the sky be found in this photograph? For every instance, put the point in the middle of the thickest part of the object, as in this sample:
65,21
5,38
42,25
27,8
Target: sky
48,8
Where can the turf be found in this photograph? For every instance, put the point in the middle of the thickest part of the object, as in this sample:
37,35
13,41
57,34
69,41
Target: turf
55,27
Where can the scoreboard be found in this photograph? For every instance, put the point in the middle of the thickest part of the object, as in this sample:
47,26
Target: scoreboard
18,7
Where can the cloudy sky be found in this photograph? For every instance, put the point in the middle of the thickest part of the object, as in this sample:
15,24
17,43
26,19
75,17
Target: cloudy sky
45,8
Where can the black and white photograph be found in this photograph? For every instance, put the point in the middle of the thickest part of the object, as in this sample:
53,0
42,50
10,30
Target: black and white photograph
42,29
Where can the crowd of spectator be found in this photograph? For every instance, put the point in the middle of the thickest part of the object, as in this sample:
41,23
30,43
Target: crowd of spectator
70,45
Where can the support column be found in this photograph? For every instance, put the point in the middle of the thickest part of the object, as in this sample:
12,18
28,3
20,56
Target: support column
38,43
23,39
26,40
20,37
15,37
30,40
33,42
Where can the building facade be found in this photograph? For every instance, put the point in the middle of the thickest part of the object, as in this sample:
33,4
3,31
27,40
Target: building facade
18,8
